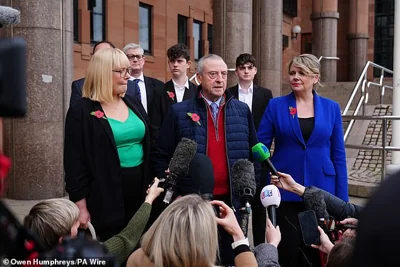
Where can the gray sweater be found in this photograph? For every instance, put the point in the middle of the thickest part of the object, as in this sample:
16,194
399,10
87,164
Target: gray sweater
266,255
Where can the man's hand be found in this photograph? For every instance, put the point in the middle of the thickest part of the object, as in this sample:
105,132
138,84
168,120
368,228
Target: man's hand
84,218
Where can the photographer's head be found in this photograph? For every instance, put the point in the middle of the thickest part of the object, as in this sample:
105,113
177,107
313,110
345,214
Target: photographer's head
341,253
53,219
184,234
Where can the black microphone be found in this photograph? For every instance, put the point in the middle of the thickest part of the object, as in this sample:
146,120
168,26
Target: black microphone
9,16
244,186
314,200
202,174
179,165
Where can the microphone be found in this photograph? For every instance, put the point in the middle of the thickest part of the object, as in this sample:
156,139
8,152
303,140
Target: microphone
9,16
271,199
314,200
244,186
202,173
179,165
261,154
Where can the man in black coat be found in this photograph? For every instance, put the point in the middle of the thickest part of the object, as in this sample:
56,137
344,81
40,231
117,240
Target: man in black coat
176,90
77,85
257,99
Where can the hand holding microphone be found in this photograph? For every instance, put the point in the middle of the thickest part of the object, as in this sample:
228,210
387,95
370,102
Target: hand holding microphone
271,199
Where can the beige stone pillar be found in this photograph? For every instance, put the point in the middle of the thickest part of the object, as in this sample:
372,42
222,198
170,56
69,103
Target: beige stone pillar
232,21
267,43
358,37
35,142
324,26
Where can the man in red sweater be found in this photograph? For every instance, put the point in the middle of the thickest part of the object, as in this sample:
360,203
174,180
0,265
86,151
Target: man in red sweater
223,128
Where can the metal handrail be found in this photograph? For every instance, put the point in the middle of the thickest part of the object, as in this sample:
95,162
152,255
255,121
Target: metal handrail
364,85
382,148
332,58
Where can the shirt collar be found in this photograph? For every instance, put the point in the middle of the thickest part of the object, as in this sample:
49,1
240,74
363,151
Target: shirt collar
141,77
250,88
186,83
218,102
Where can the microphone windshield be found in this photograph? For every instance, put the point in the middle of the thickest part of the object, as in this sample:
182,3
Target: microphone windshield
260,152
9,16
314,200
270,196
183,154
202,173
243,179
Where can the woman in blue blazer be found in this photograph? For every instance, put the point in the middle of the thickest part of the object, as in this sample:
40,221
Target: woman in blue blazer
309,145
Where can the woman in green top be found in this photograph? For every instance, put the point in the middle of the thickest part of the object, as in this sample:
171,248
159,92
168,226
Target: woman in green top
107,146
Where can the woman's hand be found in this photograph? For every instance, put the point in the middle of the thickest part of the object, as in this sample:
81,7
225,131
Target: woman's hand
228,220
273,235
153,192
326,245
286,182
352,221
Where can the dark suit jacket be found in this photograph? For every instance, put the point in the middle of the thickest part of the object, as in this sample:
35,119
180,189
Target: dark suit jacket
76,91
163,101
261,97
92,166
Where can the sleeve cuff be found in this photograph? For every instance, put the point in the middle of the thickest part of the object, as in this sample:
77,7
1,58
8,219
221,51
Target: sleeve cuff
240,242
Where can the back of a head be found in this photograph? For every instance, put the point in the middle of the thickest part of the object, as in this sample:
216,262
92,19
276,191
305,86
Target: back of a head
51,219
185,234
98,84
341,253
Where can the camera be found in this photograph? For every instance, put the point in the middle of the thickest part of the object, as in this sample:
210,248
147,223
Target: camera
334,228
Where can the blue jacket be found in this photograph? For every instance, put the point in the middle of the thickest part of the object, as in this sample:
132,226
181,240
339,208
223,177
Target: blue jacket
240,134
321,161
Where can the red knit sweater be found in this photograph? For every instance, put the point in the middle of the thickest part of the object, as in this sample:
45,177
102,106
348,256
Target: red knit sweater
216,151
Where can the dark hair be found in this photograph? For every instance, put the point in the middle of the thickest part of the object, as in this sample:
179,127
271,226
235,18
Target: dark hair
102,42
341,253
244,59
177,51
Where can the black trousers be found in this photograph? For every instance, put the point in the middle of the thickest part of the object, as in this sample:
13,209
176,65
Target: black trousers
292,251
133,197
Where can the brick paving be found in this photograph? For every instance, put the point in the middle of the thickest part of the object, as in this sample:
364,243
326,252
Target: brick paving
367,167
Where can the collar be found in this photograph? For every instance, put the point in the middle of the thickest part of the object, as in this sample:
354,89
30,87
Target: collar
186,83
250,88
141,77
218,102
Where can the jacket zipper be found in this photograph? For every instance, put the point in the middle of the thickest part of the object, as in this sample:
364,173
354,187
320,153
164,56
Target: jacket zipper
227,160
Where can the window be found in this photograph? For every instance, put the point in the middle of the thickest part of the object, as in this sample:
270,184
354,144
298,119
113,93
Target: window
76,23
198,51
182,29
210,37
97,20
290,7
145,27
384,39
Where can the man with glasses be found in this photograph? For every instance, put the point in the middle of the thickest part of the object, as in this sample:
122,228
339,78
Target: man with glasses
140,86
76,87
257,99
223,129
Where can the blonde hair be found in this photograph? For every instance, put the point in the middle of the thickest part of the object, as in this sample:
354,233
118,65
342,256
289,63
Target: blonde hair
309,64
52,219
184,235
98,84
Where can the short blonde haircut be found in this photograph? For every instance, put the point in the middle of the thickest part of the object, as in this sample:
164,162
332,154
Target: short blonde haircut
98,84
308,63
184,235
52,219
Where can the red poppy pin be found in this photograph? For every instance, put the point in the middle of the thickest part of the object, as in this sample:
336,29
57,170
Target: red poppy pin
171,95
194,117
292,111
98,114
